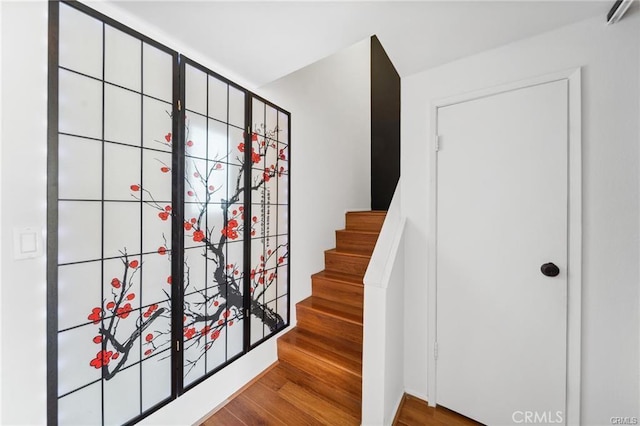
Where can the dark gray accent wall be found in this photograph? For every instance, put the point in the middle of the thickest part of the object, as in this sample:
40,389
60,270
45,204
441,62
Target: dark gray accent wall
385,127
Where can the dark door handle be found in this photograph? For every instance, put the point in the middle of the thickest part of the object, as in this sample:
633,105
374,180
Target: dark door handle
550,269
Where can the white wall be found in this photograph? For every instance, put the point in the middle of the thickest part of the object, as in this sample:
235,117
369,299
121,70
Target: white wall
330,105
610,57
23,194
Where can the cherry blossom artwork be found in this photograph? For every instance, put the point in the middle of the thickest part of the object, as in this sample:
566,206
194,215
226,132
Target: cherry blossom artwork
152,289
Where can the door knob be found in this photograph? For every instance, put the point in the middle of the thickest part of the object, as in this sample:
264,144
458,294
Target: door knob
550,269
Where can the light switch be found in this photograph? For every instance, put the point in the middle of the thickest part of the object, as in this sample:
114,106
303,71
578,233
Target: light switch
27,243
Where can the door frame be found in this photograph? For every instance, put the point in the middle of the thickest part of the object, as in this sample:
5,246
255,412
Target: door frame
574,230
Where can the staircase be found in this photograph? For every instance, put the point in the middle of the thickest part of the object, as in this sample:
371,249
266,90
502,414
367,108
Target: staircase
327,341
318,379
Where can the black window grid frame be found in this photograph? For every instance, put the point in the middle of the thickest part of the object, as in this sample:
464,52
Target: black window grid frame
178,170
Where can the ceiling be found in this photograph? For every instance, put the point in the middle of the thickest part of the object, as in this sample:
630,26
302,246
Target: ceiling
262,41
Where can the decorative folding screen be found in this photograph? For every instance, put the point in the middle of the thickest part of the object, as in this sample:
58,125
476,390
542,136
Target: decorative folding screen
168,221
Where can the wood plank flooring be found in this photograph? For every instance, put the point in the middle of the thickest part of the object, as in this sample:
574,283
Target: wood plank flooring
414,411
288,396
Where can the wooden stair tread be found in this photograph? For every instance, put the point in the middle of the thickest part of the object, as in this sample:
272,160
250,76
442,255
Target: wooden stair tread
317,349
347,279
348,253
330,343
358,231
335,309
368,212
365,220
285,372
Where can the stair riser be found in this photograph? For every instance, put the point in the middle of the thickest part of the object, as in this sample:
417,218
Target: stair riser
328,373
338,292
354,265
327,325
363,221
352,242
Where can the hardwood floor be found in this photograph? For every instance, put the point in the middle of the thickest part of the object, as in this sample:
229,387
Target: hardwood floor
286,395
414,411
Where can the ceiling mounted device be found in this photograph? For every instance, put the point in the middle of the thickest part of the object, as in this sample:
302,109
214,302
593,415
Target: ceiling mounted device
618,10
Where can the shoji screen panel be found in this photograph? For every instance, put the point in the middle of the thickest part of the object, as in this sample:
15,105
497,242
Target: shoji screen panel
214,212
114,221
269,242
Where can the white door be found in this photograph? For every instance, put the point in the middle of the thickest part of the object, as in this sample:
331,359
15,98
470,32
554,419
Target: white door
502,195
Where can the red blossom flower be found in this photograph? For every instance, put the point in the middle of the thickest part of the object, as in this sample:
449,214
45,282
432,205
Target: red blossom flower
96,315
255,157
187,226
115,355
230,323
97,339
115,283
111,305
169,279
280,259
134,264
220,322
102,358
124,311
266,176
189,144
206,329
216,303
212,188
226,313
254,137
135,188
148,352
215,334
167,137
230,231
241,147
165,169
149,337
193,220
162,251
131,296
190,332
167,208
218,166
198,236
190,193
163,215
